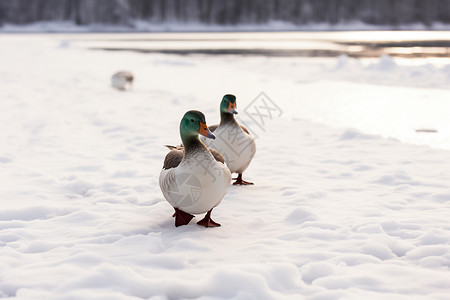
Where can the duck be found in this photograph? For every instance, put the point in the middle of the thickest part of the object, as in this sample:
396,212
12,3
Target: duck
234,141
122,80
194,179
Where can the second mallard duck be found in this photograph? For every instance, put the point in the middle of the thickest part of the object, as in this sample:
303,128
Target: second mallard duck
233,141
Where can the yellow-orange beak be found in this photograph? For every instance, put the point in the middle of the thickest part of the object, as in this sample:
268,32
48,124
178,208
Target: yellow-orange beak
204,130
232,108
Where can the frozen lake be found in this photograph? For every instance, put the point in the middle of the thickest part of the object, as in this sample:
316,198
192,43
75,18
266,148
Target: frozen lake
416,59
361,44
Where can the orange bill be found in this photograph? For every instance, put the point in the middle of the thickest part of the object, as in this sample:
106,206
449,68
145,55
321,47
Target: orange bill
204,130
232,108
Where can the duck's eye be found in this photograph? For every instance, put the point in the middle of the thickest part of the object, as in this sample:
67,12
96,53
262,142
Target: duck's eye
192,120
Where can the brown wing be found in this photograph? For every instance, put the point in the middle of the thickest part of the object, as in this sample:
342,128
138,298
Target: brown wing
245,129
213,127
173,158
179,147
217,155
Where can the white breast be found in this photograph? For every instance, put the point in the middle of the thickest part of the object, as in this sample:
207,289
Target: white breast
236,146
197,185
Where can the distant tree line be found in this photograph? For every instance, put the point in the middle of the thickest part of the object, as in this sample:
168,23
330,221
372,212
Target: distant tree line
226,12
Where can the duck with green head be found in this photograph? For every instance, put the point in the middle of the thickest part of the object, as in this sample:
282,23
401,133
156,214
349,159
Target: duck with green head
233,141
194,179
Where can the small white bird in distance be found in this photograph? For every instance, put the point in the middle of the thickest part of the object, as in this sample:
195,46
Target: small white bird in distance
122,80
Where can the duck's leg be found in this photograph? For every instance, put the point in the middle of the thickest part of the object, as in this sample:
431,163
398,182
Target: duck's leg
207,221
240,181
181,217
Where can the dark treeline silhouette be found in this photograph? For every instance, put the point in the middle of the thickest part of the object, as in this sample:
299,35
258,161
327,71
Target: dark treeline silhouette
226,12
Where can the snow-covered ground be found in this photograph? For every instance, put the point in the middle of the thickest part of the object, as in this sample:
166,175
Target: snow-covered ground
349,201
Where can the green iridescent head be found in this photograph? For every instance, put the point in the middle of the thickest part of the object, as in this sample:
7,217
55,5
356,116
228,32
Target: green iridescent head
228,104
194,123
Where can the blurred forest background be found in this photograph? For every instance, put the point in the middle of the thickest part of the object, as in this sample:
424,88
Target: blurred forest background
227,12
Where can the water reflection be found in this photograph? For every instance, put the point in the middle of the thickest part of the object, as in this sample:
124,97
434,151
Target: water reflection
366,44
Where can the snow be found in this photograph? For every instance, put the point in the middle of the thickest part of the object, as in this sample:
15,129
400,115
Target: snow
349,201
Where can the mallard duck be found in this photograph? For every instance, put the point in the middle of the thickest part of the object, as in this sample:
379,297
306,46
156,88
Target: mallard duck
122,80
194,179
233,141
